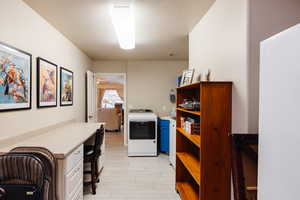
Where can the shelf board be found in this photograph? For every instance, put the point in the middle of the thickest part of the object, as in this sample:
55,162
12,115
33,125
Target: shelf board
189,111
193,85
196,139
191,164
254,188
186,191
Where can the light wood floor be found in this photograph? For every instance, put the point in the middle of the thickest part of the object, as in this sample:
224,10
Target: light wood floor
141,178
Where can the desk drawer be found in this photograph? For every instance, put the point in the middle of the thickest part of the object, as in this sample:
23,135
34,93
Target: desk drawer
72,160
73,179
79,193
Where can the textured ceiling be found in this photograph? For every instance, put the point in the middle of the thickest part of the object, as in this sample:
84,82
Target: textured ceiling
162,26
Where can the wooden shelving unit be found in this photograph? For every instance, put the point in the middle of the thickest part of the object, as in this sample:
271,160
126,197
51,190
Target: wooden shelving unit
191,164
193,138
186,191
189,111
203,169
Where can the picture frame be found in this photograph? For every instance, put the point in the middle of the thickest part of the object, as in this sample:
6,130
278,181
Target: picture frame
66,87
187,77
15,79
46,83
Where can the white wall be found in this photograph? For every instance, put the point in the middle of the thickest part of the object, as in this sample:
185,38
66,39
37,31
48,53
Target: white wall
218,42
148,82
226,40
25,29
267,17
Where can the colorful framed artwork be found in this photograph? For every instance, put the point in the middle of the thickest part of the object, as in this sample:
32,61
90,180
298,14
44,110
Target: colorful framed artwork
66,87
46,83
15,78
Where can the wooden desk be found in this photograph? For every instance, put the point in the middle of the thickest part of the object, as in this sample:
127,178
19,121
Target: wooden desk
66,143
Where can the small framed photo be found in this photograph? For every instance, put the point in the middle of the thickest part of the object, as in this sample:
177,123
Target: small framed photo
15,78
46,83
66,87
187,77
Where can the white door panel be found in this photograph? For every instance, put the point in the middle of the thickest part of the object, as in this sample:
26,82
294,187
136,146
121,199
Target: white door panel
91,97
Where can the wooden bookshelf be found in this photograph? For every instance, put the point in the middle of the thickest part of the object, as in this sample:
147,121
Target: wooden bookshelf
203,162
189,111
191,164
187,191
195,139
193,85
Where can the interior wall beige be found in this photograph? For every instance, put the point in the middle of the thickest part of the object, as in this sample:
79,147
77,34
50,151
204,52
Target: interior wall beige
25,29
219,43
267,18
110,66
148,82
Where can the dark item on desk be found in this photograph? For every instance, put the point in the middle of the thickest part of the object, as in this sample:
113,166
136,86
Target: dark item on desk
26,180
244,148
91,155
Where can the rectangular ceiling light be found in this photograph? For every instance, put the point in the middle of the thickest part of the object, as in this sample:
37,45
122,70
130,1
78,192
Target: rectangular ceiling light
123,21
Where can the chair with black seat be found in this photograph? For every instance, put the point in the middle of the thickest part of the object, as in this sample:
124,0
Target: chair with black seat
25,180
2,194
91,155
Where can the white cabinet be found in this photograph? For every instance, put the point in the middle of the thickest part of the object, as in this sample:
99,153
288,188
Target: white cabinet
78,195
279,138
74,174
74,157
172,155
70,176
74,180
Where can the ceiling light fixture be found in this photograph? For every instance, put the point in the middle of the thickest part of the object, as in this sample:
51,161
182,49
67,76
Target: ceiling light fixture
123,21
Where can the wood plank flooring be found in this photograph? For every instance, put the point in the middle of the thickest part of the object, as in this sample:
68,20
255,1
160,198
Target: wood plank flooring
141,178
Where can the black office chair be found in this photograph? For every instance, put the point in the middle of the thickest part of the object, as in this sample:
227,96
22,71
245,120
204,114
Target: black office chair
49,161
22,177
91,155
2,194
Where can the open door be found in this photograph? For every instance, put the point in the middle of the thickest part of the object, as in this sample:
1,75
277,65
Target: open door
91,112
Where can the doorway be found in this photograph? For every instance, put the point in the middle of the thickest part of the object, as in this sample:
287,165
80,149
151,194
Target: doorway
111,102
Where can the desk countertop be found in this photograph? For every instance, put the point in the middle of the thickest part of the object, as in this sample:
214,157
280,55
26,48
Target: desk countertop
60,140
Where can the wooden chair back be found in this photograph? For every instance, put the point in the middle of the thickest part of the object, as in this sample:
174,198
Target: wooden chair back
242,144
99,136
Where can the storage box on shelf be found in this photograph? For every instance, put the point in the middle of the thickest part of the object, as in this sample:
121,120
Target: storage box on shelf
203,159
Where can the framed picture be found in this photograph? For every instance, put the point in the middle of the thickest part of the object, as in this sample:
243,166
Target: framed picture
46,83
66,87
15,78
187,77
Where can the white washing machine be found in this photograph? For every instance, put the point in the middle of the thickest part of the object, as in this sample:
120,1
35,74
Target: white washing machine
142,133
